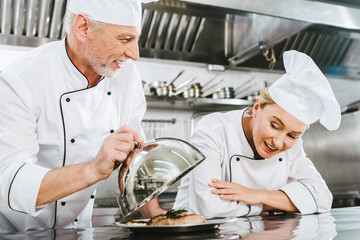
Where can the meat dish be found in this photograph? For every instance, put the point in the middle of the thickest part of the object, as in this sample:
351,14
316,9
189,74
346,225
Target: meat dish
172,217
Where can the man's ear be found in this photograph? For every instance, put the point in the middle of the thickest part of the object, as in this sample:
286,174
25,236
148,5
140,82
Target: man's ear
81,27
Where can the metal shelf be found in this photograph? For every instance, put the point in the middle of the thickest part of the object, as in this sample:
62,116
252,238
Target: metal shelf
196,104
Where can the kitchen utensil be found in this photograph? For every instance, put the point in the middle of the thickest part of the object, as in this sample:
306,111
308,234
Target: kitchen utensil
210,93
193,91
162,88
197,90
212,87
170,86
180,89
224,93
158,88
189,92
153,168
254,96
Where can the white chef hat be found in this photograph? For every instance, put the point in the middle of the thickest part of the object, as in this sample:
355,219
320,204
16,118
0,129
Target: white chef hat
118,12
304,92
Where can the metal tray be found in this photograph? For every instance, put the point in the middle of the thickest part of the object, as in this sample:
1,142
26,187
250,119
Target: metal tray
210,225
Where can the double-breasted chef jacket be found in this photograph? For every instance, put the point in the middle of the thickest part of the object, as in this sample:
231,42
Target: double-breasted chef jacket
49,119
229,157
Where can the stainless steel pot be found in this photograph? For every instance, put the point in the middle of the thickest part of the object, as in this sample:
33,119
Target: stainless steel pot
162,88
193,91
158,88
152,169
184,87
227,92
171,87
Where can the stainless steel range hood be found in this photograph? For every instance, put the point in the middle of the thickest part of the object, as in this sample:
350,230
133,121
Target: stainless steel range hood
231,33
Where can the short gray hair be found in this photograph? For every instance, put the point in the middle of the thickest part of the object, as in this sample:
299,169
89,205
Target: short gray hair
69,21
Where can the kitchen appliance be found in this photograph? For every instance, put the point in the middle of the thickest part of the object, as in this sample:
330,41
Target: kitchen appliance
230,34
153,168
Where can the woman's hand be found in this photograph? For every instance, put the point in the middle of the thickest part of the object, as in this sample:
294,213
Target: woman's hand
237,192
271,199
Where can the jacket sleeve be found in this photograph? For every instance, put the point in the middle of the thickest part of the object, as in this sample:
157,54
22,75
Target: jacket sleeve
306,188
208,137
20,177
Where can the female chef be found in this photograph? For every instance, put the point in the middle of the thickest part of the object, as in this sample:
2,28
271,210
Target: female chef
255,161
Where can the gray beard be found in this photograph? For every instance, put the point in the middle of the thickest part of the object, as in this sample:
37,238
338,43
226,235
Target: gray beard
94,62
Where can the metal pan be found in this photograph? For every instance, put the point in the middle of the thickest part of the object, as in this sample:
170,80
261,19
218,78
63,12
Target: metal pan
171,87
162,88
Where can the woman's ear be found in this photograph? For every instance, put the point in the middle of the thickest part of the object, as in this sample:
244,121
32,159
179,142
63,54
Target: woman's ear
81,27
255,108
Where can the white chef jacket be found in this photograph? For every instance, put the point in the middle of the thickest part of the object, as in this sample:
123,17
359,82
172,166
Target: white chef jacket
50,119
229,157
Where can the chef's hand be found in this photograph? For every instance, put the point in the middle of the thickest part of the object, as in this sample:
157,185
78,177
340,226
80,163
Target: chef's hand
271,199
114,150
236,192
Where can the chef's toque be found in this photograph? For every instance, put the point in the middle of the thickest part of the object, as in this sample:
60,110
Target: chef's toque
304,92
118,12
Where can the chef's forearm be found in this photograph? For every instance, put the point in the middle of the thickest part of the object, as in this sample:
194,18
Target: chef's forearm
278,200
61,182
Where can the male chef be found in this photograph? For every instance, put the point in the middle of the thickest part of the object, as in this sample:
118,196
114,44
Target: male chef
70,110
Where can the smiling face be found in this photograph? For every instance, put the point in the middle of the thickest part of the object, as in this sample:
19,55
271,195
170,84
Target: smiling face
109,47
274,130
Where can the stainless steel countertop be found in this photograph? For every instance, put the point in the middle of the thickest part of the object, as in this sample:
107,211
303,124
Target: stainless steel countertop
340,223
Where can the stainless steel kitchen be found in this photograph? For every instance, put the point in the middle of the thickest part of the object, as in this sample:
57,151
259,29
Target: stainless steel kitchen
196,59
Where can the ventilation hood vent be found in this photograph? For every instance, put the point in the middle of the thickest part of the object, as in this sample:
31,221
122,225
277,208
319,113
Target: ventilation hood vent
336,51
232,33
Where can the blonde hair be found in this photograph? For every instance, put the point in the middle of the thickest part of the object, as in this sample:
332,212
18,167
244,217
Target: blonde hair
265,98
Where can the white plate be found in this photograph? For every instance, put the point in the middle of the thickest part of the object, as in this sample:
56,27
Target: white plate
210,225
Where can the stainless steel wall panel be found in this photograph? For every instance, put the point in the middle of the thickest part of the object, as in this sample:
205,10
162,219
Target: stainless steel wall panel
31,17
154,26
174,26
63,29
146,23
297,39
190,42
199,27
56,18
304,40
44,18
310,43
342,52
336,154
335,51
180,37
323,48
18,20
163,30
349,55
316,45
6,16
